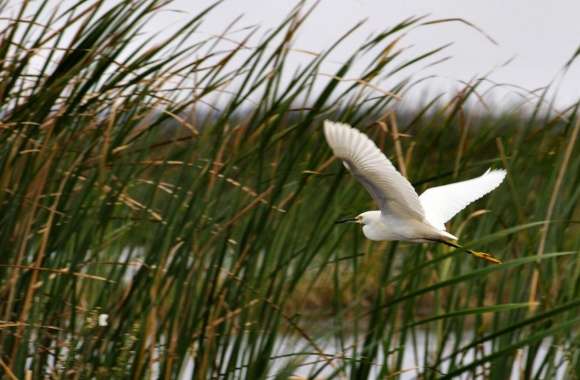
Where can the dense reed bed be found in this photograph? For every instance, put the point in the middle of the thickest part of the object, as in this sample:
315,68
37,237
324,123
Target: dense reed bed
168,214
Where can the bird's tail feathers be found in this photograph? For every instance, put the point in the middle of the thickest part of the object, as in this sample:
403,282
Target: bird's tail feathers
447,236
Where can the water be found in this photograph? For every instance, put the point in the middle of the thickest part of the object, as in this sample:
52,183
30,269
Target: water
310,363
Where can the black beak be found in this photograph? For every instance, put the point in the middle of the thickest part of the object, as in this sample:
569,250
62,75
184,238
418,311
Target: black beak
347,220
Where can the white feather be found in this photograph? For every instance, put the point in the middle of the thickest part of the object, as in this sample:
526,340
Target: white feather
441,203
403,215
391,191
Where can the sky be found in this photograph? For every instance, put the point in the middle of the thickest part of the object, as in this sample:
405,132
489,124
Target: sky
536,37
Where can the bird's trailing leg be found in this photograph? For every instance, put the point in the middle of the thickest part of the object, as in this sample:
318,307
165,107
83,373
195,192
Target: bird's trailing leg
481,255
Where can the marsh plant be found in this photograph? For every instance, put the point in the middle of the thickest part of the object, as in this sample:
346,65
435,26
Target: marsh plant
179,184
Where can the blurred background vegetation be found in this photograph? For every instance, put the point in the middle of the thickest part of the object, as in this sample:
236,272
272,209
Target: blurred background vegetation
168,214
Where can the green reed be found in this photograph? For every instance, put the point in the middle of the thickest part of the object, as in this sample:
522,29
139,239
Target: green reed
191,199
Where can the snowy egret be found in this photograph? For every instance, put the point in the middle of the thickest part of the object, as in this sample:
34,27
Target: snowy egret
403,214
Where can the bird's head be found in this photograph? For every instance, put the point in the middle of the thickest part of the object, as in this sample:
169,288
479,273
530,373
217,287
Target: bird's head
370,222
364,219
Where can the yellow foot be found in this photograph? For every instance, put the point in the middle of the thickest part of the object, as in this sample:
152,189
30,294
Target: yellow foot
486,257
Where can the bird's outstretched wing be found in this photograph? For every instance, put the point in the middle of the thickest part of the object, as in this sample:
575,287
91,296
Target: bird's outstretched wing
441,203
390,190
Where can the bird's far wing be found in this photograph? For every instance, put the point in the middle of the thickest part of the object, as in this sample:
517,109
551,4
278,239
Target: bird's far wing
390,190
441,203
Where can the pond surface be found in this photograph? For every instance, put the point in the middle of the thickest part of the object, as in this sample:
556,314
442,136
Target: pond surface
413,361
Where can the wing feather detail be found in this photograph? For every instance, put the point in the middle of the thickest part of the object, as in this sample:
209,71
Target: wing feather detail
441,203
390,190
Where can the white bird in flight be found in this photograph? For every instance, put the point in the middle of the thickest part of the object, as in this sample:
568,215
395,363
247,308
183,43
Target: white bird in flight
403,214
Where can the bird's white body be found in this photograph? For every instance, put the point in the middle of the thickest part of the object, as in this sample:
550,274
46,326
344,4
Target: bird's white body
380,227
403,215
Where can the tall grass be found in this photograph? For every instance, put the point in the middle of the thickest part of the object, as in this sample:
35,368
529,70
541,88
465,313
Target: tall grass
191,199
